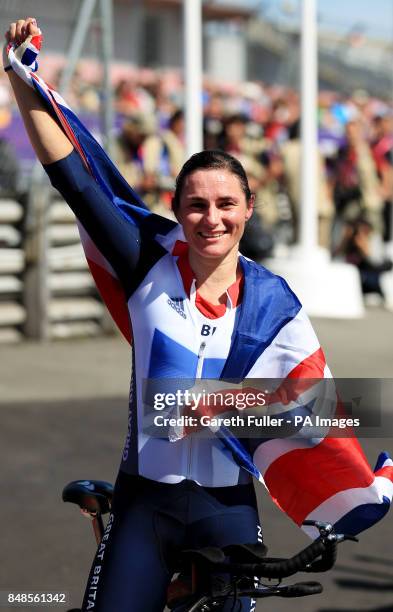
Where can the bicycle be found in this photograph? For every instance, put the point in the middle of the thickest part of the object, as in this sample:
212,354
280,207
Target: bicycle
210,576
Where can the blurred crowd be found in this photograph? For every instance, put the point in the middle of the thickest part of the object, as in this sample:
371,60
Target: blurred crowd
259,124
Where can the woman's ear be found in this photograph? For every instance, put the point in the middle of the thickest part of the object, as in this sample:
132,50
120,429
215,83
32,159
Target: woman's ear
250,206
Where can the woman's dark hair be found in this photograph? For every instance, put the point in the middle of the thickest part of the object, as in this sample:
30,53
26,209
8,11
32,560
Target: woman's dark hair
210,160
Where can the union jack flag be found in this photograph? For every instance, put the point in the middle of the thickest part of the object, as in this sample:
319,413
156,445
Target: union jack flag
324,478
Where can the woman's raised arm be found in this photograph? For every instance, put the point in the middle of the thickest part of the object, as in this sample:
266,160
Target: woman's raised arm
47,138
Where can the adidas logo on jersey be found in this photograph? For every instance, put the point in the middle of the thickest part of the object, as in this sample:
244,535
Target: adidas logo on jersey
177,304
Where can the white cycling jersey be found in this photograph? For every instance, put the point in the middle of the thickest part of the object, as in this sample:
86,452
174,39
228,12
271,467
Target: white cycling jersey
173,337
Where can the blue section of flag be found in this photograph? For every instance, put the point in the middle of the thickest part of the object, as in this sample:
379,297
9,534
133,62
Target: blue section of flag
239,452
29,57
362,517
212,368
382,457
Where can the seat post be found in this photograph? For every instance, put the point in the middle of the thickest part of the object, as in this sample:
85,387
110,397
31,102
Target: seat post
98,527
97,524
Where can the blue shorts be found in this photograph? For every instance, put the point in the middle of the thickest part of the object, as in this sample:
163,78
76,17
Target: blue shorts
149,524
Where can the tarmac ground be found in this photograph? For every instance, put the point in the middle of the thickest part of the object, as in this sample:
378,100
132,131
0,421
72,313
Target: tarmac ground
64,414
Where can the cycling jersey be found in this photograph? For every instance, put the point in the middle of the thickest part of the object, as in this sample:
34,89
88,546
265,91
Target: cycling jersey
173,338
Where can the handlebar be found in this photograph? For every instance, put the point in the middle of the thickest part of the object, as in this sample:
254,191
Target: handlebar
319,556
301,589
283,568
277,568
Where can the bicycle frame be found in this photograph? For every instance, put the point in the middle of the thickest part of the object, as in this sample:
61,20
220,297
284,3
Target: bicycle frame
240,562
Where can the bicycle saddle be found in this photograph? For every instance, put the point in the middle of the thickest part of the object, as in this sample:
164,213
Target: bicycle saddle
246,553
95,496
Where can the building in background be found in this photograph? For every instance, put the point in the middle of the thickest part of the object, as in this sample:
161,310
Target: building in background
147,33
240,44
346,61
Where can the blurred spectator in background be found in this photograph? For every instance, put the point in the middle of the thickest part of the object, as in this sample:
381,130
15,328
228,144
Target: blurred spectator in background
356,248
291,156
84,95
9,164
165,152
257,241
284,113
240,136
275,210
213,116
9,170
5,101
130,98
234,135
164,155
382,147
356,186
129,152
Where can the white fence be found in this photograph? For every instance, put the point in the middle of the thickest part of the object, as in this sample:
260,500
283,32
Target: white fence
73,306
46,290
12,264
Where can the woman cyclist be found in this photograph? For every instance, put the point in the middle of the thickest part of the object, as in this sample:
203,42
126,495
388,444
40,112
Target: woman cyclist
197,309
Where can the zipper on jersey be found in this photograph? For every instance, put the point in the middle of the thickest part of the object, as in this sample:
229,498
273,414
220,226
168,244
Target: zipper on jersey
200,360
198,374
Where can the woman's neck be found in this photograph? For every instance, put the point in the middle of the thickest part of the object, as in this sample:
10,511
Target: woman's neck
213,278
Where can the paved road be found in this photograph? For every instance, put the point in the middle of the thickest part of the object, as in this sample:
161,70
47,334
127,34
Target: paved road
63,411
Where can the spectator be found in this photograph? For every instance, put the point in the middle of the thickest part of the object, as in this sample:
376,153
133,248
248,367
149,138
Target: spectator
164,155
9,170
356,185
257,241
240,137
234,134
129,152
130,98
84,95
213,120
356,247
291,156
382,148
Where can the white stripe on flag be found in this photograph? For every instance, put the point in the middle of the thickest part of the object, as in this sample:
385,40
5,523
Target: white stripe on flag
338,505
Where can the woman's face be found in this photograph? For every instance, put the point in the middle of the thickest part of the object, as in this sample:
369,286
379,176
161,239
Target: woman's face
213,211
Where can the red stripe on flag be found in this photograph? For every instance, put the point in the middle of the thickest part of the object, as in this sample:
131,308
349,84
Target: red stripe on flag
302,378
386,472
113,295
311,367
303,479
36,41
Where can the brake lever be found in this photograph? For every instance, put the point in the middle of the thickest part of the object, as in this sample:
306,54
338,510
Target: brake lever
341,537
323,527
326,529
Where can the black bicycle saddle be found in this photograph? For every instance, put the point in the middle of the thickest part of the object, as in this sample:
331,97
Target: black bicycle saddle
95,496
